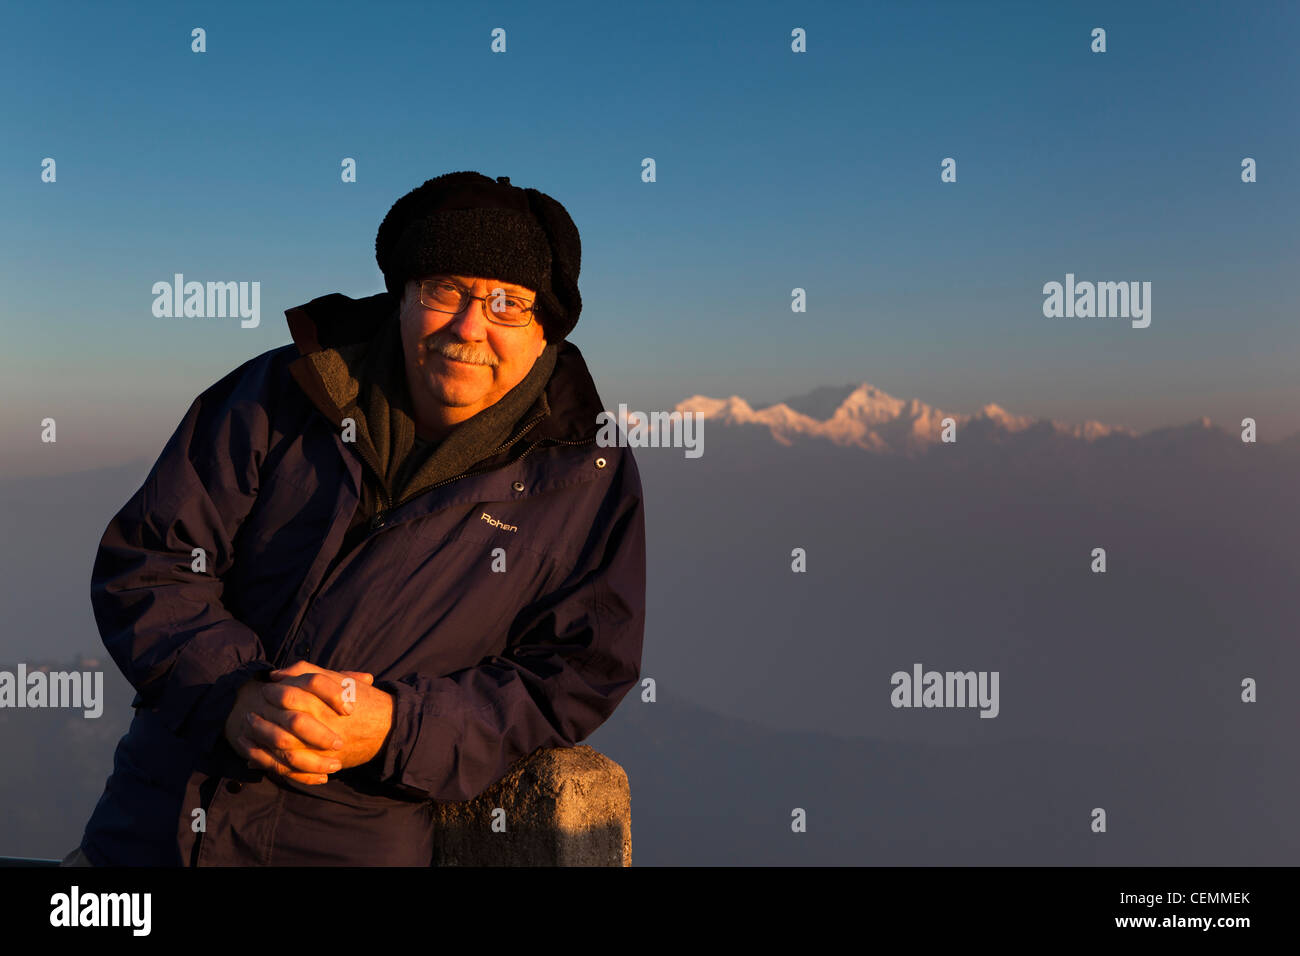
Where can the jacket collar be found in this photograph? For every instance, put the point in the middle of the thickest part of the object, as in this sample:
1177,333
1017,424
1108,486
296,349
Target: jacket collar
331,330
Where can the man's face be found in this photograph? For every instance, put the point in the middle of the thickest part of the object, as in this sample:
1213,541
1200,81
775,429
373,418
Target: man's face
465,361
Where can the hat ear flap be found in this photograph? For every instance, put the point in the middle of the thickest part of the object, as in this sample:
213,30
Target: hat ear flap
566,256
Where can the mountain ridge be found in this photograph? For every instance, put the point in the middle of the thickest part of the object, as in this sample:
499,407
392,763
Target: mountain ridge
867,417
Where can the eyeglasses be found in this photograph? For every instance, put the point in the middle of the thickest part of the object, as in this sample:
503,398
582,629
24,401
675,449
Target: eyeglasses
506,308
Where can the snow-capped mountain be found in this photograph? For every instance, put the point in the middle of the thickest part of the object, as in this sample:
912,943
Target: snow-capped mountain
865,416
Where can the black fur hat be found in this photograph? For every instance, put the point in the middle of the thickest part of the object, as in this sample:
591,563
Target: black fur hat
464,223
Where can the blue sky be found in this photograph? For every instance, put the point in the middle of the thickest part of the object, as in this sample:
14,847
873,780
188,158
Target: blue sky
775,170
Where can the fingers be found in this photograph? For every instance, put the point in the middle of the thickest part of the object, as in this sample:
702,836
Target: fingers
298,668
261,760
288,695
294,669
288,750
291,730
333,692
330,686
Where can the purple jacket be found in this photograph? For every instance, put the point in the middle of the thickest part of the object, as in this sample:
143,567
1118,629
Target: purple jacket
485,666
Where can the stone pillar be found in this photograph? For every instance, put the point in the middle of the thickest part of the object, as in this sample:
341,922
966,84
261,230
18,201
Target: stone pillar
565,806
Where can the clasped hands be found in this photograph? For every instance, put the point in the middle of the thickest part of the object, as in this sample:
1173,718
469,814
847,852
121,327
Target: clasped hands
306,723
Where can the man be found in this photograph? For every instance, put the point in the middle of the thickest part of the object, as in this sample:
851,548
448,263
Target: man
376,567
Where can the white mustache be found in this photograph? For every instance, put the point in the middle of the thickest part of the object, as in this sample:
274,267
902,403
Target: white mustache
462,353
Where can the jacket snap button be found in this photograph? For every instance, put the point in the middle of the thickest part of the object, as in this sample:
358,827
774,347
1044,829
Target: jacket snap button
600,462
518,486
303,649
234,786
